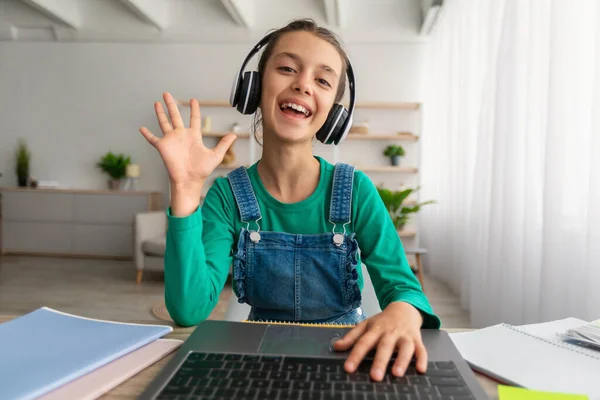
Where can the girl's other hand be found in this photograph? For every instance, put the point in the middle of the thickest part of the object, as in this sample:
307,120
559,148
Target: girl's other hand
397,328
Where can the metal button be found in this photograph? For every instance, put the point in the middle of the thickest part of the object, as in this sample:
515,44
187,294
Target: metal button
338,239
255,237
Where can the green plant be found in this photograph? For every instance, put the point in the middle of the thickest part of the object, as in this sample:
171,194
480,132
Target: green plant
114,164
394,200
393,150
23,159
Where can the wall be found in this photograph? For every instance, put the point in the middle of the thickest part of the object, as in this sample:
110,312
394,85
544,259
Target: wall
72,102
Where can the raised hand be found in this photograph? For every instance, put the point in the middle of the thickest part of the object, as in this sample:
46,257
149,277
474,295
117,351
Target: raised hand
188,161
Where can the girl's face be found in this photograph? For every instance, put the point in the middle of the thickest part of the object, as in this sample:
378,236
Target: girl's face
299,86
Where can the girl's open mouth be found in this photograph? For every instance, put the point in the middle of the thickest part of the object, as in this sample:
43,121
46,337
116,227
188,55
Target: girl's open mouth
294,110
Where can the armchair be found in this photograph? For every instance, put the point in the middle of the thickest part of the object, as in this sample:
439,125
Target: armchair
149,230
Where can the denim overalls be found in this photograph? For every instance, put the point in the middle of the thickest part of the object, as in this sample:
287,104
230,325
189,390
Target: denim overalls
298,278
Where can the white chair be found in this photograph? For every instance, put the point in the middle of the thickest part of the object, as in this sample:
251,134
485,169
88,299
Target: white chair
370,304
149,240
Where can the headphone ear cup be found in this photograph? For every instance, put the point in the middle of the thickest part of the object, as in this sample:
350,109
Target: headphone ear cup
249,96
330,132
339,129
235,91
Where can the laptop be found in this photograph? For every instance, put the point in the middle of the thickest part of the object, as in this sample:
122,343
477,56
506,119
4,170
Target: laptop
241,360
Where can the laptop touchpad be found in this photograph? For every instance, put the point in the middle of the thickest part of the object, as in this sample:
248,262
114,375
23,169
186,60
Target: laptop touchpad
300,340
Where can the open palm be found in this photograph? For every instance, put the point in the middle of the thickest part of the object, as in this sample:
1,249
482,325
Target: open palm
187,159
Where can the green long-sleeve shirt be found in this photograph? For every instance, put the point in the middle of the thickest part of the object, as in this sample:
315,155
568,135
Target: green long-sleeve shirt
199,246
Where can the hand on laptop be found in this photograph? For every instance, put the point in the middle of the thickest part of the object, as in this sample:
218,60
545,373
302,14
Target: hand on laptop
397,328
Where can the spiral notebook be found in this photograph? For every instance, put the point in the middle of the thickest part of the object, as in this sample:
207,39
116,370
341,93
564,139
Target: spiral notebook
533,356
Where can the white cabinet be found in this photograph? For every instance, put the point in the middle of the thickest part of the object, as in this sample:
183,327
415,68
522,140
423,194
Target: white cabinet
82,223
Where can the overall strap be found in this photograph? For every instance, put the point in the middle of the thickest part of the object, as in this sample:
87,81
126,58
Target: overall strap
341,196
244,195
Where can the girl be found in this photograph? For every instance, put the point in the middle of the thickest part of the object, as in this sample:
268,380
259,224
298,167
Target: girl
292,223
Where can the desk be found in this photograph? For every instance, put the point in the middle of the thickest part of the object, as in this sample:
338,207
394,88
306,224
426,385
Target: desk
134,386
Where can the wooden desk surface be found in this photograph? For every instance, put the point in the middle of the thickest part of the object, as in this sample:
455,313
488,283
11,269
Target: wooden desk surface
133,387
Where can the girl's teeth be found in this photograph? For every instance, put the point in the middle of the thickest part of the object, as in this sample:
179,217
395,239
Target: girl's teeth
296,107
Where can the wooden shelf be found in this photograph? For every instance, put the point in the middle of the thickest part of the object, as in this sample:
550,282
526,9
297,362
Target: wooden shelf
366,104
408,202
388,105
391,168
372,136
221,134
205,103
407,136
408,170
78,191
230,167
407,233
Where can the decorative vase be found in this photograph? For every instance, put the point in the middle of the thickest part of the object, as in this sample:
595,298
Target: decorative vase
395,160
229,157
114,184
22,181
207,126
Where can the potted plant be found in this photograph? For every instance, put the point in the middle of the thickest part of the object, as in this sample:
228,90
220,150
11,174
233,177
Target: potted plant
22,166
114,165
398,212
394,152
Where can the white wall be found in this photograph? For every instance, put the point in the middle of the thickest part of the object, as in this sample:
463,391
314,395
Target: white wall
72,102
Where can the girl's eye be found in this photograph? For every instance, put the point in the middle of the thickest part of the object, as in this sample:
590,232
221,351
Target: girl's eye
286,69
323,82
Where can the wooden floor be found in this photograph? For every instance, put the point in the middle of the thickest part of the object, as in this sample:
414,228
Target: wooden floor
106,289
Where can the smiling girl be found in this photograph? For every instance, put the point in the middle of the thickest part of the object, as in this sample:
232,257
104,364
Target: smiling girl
292,224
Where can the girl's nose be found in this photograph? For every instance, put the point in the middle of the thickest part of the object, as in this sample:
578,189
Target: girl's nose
302,85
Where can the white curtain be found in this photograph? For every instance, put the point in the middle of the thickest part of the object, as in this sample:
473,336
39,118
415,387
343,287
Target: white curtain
511,152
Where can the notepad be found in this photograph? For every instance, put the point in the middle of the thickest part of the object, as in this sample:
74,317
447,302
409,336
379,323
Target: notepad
514,393
46,349
532,357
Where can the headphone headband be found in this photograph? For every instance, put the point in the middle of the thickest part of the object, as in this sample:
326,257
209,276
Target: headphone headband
255,50
351,89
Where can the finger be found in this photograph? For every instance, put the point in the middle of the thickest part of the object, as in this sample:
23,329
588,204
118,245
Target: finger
163,120
195,115
360,350
351,337
405,352
385,348
173,111
224,144
149,136
421,355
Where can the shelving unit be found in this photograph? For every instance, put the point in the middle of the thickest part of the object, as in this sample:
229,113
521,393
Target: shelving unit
381,135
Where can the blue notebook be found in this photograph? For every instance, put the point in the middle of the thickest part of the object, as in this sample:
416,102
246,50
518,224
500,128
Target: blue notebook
46,349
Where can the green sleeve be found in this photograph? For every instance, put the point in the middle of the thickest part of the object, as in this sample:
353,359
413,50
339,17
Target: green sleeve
198,258
383,254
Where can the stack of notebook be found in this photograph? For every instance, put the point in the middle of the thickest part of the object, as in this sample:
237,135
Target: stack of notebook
52,355
587,335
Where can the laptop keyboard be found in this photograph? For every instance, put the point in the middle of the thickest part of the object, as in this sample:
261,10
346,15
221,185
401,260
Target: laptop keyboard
238,376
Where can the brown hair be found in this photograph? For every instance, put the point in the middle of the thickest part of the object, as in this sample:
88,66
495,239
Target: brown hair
301,25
